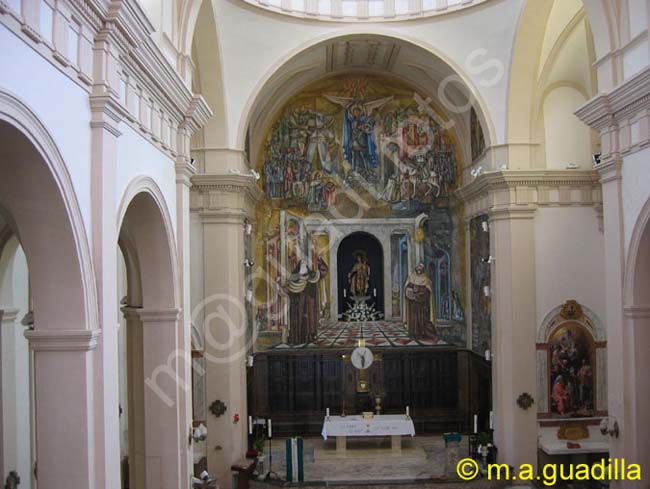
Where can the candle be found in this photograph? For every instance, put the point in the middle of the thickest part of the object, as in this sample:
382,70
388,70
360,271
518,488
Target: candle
487,355
407,410
345,294
374,292
476,423
327,412
490,419
270,431
250,425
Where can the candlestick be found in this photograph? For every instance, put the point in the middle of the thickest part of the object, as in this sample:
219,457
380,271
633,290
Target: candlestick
270,430
476,423
250,425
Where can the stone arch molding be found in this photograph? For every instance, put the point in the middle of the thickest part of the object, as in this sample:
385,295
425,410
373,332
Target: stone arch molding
589,320
266,81
18,114
146,185
635,280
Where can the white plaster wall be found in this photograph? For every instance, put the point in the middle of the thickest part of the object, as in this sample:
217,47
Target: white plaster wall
569,259
567,139
137,157
636,190
53,97
249,56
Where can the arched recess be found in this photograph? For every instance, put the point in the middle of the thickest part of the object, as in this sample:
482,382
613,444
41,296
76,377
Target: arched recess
429,72
636,361
590,345
549,33
155,376
201,43
38,202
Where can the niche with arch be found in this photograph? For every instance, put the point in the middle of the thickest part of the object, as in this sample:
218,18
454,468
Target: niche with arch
571,356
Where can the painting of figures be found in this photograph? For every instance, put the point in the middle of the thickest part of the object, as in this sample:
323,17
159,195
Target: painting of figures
341,156
571,360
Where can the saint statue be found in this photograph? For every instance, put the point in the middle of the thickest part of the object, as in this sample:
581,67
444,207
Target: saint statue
359,276
420,309
302,288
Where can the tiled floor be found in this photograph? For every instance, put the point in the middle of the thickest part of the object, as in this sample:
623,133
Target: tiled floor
376,334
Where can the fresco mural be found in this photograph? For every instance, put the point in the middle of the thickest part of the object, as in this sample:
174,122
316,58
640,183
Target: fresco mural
480,277
571,363
345,155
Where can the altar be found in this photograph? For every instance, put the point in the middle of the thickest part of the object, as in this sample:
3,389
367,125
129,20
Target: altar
393,425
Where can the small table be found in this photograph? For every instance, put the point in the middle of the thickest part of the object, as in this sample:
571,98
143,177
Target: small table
393,425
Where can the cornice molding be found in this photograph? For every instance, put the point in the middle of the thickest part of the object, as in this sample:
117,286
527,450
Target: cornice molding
516,189
606,109
63,339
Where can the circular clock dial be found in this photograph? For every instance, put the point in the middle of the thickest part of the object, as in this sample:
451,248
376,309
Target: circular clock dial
362,358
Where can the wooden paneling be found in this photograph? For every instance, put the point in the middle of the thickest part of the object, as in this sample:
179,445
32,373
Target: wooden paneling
443,388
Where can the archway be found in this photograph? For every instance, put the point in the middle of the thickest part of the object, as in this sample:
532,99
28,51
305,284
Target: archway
155,375
636,362
48,225
360,258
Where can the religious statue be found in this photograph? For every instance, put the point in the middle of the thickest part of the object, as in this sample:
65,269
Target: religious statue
304,315
359,276
420,309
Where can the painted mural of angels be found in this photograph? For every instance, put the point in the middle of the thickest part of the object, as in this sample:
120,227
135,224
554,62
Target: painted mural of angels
359,144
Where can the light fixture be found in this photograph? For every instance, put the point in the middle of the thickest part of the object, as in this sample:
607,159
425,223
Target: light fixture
200,433
255,175
248,263
486,290
485,226
248,227
476,171
249,360
489,259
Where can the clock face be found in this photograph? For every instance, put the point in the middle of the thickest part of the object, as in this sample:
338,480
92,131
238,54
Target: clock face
362,358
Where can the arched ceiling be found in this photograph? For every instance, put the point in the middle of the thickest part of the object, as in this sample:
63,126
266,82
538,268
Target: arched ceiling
429,76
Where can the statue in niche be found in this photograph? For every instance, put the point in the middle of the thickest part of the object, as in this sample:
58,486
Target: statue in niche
304,314
420,309
359,276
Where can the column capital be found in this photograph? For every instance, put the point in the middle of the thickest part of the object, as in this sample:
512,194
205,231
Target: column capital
63,339
224,198
610,170
8,316
512,212
164,315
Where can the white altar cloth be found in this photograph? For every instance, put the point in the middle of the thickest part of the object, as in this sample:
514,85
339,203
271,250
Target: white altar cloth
383,425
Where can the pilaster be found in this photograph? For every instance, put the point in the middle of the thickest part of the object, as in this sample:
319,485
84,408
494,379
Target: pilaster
164,433
223,202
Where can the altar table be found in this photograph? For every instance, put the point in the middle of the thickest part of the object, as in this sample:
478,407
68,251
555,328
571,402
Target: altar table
393,425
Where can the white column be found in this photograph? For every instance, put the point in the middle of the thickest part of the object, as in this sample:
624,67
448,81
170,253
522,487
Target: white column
166,434
512,243
226,201
618,350
106,115
65,406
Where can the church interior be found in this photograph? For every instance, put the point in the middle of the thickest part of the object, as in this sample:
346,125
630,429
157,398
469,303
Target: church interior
376,243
